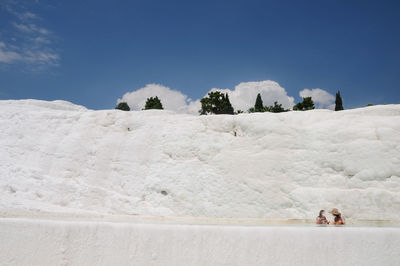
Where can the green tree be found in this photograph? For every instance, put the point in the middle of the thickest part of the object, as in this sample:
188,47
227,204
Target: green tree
267,108
123,106
306,104
228,108
277,108
338,102
251,110
259,106
298,107
153,103
216,103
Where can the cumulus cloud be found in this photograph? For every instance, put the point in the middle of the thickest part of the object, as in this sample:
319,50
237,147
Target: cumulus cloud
171,99
322,99
244,95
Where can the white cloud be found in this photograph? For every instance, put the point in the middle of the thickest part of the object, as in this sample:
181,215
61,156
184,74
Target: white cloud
10,55
322,99
170,99
244,95
28,43
7,56
41,40
27,15
22,27
30,28
13,6
42,57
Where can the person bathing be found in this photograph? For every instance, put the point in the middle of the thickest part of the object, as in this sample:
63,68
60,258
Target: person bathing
339,220
321,219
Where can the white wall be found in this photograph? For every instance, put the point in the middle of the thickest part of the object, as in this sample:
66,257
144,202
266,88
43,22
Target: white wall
41,242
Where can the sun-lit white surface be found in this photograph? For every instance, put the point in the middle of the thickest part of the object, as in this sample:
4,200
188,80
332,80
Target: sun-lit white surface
57,157
51,242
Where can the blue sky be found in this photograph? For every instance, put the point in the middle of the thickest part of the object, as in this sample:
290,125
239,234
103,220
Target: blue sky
93,52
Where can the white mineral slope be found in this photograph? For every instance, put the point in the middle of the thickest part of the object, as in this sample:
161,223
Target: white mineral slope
56,157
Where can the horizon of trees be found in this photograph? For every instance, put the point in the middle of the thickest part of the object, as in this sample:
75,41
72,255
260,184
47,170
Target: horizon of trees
217,102
260,108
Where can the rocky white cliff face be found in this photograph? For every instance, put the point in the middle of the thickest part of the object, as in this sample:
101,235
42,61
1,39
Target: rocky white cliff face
61,158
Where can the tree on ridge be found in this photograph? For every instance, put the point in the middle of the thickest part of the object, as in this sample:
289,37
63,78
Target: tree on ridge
338,102
259,106
153,103
306,104
123,106
216,103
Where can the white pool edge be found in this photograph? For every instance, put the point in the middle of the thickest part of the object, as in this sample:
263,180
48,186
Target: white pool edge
58,242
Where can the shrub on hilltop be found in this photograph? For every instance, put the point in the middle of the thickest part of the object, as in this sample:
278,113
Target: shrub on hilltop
277,108
216,103
123,106
153,103
306,104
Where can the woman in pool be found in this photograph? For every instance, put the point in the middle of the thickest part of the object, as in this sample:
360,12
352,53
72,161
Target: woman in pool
321,219
339,220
